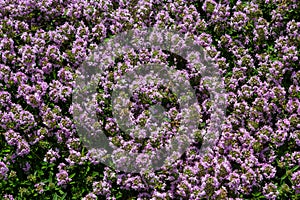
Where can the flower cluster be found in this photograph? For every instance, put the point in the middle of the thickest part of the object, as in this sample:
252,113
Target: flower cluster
255,45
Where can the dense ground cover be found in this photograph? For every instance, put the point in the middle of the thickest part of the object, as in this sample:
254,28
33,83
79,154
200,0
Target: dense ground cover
256,46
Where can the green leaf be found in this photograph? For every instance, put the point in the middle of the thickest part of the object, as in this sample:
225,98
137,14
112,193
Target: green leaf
64,196
295,168
119,195
283,178
95,174
72,175
256,194
55,196
50,177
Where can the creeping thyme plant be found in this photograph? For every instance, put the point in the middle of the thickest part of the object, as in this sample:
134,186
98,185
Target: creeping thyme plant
256,47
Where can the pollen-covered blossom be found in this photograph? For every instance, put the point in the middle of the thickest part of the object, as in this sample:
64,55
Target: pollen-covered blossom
62,177
39,187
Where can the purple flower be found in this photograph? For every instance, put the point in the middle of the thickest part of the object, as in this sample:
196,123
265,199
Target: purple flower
8,197
270,191
296,181
3,170
62,177
39,187
90,196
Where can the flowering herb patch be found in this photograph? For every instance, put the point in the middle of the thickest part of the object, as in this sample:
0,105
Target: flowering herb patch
255,46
